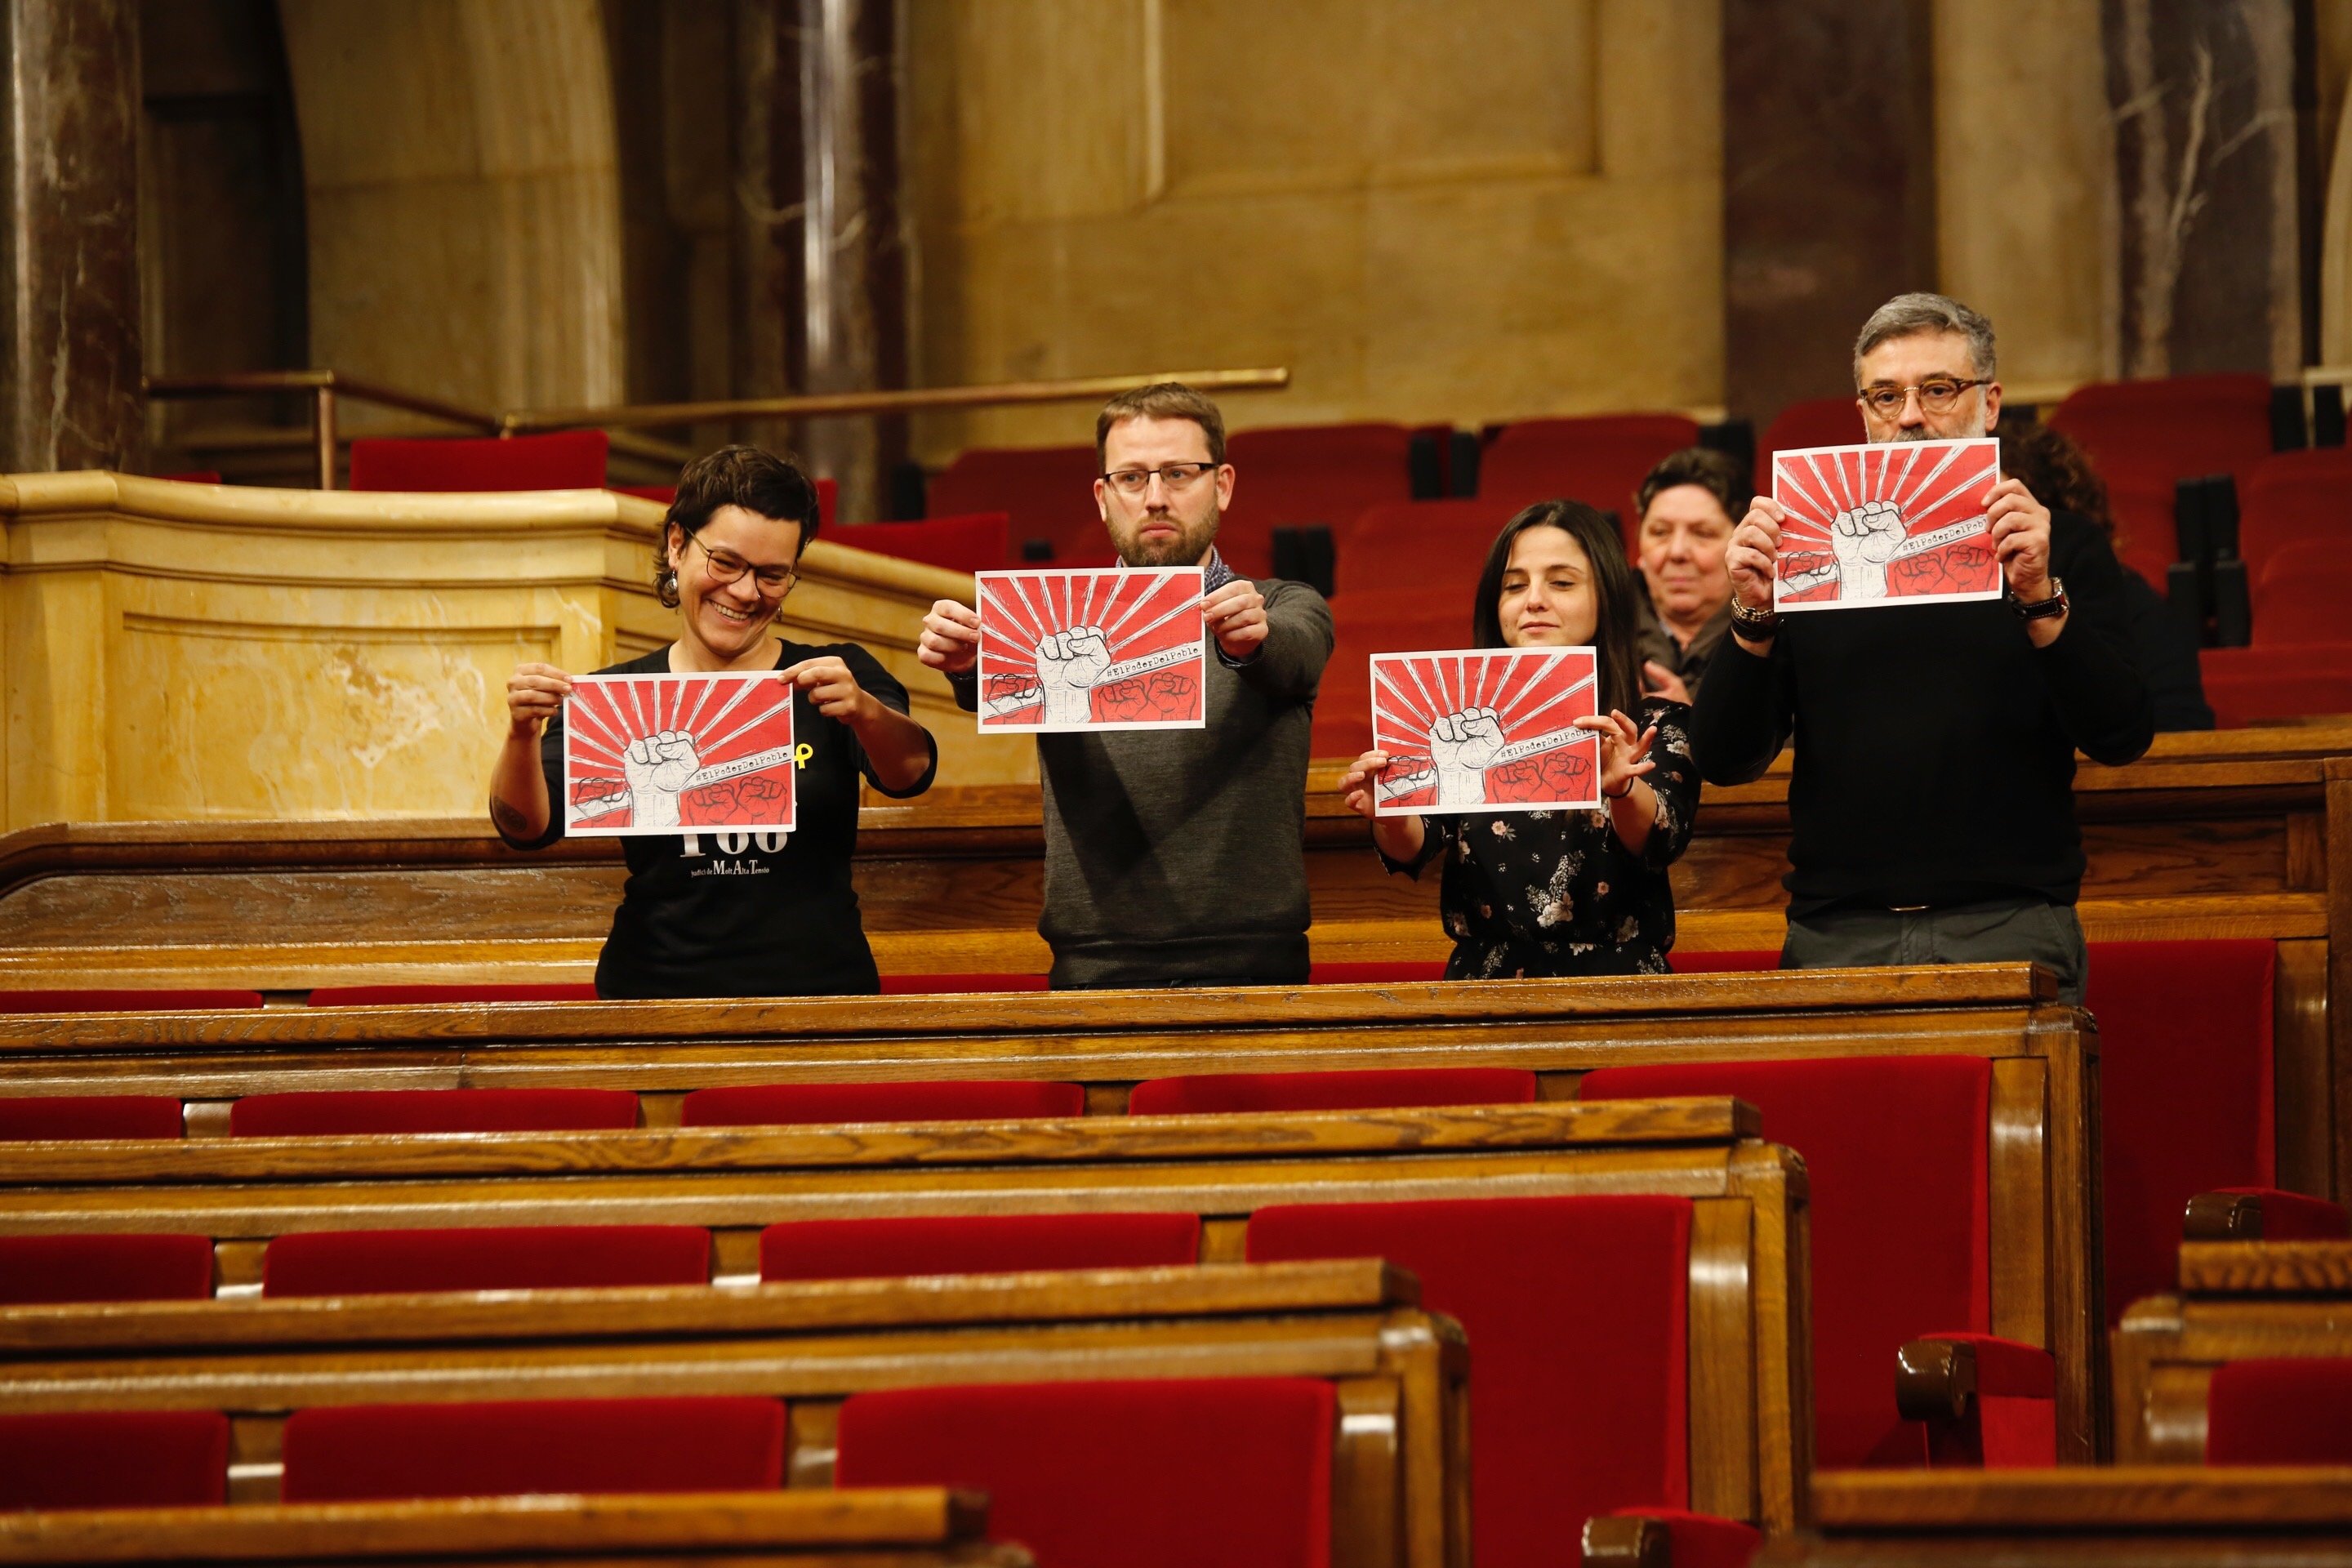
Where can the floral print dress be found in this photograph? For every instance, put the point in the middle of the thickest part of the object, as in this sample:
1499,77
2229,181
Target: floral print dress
1549,893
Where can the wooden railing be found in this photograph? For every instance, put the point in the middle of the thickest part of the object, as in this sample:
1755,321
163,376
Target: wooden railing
326,388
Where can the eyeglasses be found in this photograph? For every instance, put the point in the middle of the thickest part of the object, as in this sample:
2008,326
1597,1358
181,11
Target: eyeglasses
725,566
1936,396
1174,476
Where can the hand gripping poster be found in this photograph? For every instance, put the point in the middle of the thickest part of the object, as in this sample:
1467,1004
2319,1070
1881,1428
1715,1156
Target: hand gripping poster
1485,729
1091,650
669,754
1896,522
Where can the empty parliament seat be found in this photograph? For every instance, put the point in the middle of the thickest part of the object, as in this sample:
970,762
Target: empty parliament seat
24,1118
1048,492
799,1104
428,995
125,1001
1307,475
2145,437
360,1452
1898,1152
1432,549
976,1244
134,1267
349,1112
1230,1471
1392,620
980,542
114,1458
1369,1089
499,1257
1575,1309
2291,497
1599,460
2299,594
565,460
1815,422
2268,684
2280,1412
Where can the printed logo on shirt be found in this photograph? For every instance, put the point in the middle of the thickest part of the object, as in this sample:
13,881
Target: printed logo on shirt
690,847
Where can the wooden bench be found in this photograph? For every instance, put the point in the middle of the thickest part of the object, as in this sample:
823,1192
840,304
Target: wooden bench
878,1528
1745,1266
1401,1494
2239,1300
2189,1516
2045,1291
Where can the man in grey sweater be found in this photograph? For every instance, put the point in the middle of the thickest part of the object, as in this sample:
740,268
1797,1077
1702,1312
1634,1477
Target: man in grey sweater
1177,857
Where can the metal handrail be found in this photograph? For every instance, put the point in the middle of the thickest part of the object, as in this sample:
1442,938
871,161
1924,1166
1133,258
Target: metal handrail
832,404
325,387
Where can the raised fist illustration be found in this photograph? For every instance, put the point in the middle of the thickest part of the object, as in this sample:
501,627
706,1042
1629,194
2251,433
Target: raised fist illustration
657,767
1462,745
1865,540
1068,665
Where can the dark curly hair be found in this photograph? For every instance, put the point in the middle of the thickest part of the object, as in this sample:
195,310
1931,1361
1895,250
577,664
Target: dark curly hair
1612,595
2056,470
758,481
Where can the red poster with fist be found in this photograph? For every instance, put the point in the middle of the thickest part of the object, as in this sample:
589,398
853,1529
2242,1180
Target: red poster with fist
1481,729
675,754
1899,522
1113,649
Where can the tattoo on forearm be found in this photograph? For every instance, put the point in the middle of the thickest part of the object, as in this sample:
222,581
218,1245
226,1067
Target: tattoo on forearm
509,819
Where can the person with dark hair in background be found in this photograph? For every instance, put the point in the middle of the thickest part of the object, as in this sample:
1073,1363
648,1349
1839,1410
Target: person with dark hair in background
2060,475
767,916
1688,506
1547,893
1177,857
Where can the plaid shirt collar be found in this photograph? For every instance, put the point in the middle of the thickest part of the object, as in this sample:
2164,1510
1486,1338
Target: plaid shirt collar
1214,572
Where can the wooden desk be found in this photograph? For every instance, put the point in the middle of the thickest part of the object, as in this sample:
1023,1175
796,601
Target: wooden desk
2239,1300
2043,1143
2179,1515
1749,1346
1400,1375
877,1528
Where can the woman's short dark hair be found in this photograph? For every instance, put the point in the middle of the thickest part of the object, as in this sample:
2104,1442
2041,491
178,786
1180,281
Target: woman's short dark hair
756,480
1618,626
1719,474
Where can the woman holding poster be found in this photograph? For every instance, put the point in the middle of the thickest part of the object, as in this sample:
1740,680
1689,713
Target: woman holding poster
1528,893
728,761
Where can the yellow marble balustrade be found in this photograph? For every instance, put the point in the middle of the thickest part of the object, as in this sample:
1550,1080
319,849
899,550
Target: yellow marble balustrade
179,652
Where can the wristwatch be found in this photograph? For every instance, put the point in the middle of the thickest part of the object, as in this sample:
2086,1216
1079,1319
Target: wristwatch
1760,623
2055,604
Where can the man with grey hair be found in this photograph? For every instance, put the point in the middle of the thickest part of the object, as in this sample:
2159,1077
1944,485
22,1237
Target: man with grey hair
1931,803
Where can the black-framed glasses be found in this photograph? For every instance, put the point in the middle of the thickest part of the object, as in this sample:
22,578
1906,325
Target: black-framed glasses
1938,395
1174,476
725,566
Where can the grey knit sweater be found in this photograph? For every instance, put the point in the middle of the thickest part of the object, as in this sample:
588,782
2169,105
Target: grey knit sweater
1178,856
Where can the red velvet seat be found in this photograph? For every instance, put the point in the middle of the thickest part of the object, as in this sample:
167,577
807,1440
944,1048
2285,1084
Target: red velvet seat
1575,1310
1432,549
1814,422
2258,685
2144,436
976,1244
125,1001
1898,1152
2295,1412
428,995
42,1268
564,460
1726,962
2298,597
1048,492
1400,972
1307,475
114,1459
1176,1473
356,1452
797,1104
346,1112
1390,620
1373,1090
934,985
1600,460
502,1257
2291,497
39,1116
980,542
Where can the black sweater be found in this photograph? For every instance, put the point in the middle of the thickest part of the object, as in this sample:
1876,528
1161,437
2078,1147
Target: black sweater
1934,743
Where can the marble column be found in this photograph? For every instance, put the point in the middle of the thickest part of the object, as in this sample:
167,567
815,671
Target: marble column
2208,257
69,341
1828,187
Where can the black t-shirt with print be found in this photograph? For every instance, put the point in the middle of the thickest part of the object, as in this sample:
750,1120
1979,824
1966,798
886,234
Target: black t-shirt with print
719,914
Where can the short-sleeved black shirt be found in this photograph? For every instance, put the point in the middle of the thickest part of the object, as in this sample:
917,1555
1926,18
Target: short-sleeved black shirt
717,915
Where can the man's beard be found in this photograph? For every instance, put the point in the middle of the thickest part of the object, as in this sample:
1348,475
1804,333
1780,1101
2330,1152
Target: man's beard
1919,432
1190,547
